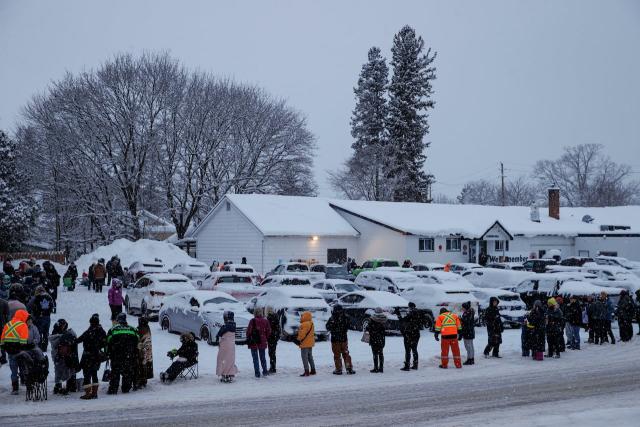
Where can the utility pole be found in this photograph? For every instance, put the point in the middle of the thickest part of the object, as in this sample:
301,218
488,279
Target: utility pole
502,179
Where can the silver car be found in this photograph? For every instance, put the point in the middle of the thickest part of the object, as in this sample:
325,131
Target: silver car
201,313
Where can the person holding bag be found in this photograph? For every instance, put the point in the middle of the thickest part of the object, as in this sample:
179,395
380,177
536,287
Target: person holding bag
306,340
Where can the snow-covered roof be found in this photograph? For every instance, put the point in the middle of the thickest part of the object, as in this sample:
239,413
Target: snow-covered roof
472,221
275,215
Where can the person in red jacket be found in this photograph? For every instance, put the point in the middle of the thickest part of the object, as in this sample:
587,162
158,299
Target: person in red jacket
258,333
449,326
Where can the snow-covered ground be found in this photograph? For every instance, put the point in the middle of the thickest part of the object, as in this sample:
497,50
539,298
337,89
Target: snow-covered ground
76,307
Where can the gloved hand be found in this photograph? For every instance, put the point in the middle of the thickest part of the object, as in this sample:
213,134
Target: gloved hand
459,337
437,336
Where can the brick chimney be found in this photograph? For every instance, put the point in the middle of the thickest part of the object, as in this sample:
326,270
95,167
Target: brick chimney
554,203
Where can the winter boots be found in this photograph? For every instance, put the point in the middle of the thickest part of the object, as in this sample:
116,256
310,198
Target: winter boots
350,371
305,373
405,368
469,362
312,372
90,392
15,387
58,389
337,372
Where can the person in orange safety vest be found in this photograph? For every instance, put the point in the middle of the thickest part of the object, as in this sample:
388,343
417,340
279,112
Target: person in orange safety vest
448,325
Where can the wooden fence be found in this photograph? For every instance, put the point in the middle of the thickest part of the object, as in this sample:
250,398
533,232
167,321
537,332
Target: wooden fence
55,256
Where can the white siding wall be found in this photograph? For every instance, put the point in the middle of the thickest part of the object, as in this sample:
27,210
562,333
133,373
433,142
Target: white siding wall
439,253
285,248
229,236
376,241
627,247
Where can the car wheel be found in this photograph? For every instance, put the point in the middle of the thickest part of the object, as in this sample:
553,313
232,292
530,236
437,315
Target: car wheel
365,324
165,324
126,305
205,335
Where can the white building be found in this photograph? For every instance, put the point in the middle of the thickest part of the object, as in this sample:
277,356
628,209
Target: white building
269,229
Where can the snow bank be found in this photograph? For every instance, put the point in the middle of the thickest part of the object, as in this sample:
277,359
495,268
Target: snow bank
130,252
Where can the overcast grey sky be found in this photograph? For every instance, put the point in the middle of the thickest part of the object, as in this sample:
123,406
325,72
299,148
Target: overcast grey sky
516,80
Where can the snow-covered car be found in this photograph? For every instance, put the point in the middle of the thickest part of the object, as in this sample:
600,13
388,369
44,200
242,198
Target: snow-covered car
359,306
461,267
613,276
512,308
619,262
201,313
193,270
388,281
583,289
332,289
289,302
429,299
243,268
286,280
137,269
506,266
239,285
428,266
538,265
295,268
372,264
333,271
576,261
495,278
147,294
443,278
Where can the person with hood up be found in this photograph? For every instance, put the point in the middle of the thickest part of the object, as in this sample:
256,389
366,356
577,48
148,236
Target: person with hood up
53,278
15,339
122,348
41,306
448,324
376,328
535,324
274,337
226,367
410,326
338,326
64,354
494,328
468,331
306,339
94,341
626,311
115,298
258,333
555,328
185,356
145,354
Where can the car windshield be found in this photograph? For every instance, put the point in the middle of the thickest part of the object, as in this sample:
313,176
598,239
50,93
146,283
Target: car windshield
244,270
234,279
181,281
202,267
337,270
348,287
219,300
389,264
297,267
306,297
295,282
152,265
509,297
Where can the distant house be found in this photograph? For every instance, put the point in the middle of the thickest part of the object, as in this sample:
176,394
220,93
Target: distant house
268,229
154,227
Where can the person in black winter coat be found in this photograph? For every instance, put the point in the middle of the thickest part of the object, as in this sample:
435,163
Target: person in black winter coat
94,341
40,306
376,328
626,311
535,324
410,326
185,356
53,277
638,310
573,316
468,331
122,348
338,326
555,327
274,337
64,354
494,328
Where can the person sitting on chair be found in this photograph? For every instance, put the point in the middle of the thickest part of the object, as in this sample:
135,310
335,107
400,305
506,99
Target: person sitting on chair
185,356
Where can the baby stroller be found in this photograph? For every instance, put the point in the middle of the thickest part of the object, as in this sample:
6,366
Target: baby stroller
34,370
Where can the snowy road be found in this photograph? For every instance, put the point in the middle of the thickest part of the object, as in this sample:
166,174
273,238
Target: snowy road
460,398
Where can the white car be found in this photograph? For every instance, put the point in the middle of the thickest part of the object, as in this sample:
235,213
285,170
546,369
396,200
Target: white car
613,276
147,294
332,289
201,313
431,298
387,281
495,278
506,266
461,267
243,268
137,269
295,268
239,285
545,285
359,306
443,278
289,302
582,289
286,280
193,269
512,308
428,266
619,262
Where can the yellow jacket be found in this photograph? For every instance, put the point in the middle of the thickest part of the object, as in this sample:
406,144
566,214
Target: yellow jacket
306,333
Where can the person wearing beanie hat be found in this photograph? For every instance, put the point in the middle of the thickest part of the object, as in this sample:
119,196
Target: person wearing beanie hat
93,341
493,321
551,302
410,326
338,326
468,331
122,349
41,305
376,328
555,327
226,367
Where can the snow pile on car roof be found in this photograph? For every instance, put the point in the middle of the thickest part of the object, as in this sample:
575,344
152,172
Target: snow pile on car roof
129,252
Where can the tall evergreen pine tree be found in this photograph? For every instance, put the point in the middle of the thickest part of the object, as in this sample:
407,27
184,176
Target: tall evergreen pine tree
368,122
15,209
409,100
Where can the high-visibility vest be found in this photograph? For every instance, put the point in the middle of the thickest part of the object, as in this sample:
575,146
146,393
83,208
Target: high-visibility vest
16,331
448,324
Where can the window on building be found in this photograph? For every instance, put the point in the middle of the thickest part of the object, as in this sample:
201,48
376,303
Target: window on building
425,245
453,245
228,206
501,246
